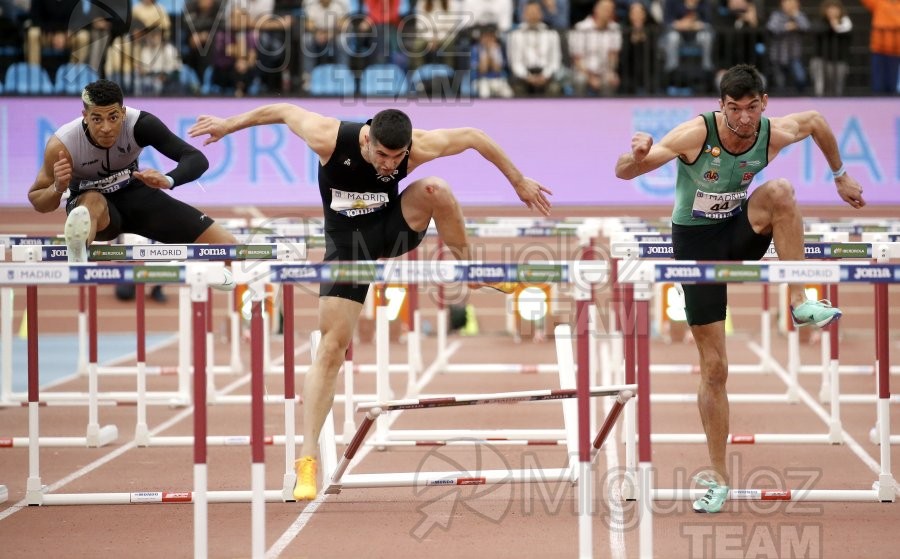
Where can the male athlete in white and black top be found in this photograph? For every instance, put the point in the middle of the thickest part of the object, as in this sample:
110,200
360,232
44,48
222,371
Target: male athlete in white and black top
95,158
366,218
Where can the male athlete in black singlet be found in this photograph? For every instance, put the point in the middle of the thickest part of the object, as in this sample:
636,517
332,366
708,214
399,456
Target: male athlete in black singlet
366,217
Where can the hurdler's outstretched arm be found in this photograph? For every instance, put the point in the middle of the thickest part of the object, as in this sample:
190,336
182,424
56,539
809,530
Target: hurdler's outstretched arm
432,144
319,132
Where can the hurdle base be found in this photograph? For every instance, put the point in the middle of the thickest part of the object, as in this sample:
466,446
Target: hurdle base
333,488
34,491
287,487
885,488
102,436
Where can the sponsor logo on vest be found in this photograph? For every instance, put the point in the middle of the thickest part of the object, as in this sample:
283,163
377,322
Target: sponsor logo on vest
711,176
683,272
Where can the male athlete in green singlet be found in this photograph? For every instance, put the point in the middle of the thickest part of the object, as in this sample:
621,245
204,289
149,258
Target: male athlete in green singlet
715,218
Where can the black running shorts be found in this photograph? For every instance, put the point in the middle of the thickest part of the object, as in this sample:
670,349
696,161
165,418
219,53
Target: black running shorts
732,239
152,213
388,237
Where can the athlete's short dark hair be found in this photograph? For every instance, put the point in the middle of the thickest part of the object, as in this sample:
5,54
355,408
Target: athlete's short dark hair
392,129
740,81
102,93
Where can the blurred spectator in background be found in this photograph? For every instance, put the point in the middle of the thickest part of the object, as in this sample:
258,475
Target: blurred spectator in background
234,54
434,39
594,45
884,44
498,13
199,22
555,13
153,16
830,63
323,39
489,75
270,32
687,26
123,54
740,38
377,33
637,59
788,26
47,28
535,55
109,20
159,68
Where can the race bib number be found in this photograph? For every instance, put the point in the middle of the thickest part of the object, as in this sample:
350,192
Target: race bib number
110,184
712,205
352,204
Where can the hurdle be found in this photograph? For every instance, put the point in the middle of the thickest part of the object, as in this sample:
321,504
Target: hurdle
831,250
157,252
198,276
443,272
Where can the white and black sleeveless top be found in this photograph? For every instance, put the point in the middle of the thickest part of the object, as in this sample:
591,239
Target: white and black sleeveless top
97,168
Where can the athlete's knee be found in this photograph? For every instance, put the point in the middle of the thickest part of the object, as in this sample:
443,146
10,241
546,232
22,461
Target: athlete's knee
781,194
439,190
714,370
332,347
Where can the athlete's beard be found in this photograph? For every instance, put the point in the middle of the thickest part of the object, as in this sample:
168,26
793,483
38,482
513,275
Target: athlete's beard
736,133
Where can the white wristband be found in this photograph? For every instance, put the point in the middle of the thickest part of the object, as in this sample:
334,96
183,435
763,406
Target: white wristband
171,181
839,173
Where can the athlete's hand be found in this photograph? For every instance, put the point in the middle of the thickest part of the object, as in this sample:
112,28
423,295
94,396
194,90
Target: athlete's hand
534,195
152,178
850,191
62,173
640,145
212,125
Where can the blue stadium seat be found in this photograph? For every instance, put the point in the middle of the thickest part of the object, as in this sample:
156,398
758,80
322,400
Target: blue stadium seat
190,81
428,73
27,79
72,77
335,80
382,80
207,87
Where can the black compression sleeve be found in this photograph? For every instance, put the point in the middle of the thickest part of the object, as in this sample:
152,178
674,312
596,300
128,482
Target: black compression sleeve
150,131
